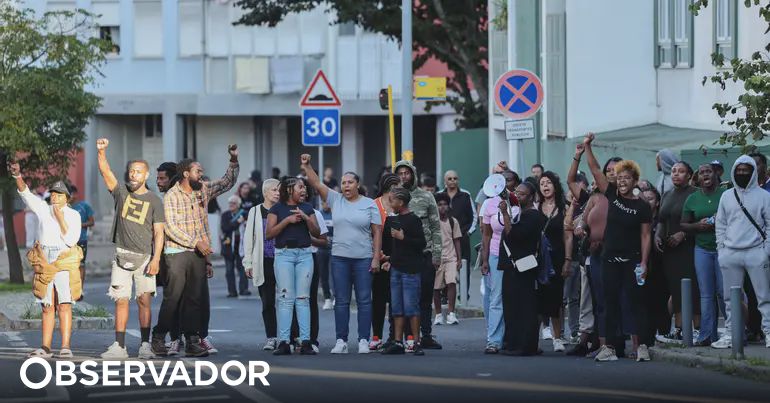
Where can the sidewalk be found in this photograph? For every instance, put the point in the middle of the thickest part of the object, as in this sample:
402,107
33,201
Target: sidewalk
756,364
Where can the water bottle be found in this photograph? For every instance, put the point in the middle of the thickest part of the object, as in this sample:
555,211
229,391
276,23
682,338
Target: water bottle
638,271
410,343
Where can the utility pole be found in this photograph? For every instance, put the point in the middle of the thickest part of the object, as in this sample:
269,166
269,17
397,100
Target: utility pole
406,81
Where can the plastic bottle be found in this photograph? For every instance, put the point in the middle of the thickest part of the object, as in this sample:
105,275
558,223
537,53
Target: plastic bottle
638,271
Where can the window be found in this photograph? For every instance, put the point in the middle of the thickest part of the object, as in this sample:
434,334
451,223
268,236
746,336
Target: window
153,126
148,29
725,28
673,33
347,28
190,28
111,34
108,23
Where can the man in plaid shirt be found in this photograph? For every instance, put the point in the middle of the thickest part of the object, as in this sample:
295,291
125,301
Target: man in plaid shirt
187,246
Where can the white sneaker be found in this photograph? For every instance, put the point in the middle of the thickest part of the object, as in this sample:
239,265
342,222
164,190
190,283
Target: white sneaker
439,319
725,342
642,353
206,343
558,345
270,344
451,319
606,353
145,351
363,346
114,351
173,347
341,347
546,334
328,305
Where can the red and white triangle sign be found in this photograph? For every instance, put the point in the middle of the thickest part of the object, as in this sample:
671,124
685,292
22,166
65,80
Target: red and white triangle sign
320,93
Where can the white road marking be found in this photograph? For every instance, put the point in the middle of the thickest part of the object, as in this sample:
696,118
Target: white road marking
219,308
19,344
251,393
134,332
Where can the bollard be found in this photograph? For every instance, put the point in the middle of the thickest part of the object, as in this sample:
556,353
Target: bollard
687,312
460,286
736,321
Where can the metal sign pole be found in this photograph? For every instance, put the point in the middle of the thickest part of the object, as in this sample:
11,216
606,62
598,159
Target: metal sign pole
321,167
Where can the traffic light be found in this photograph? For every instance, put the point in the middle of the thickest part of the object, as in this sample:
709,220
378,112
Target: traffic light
384,99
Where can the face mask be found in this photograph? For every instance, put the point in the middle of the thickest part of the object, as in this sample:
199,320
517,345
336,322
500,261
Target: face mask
742,180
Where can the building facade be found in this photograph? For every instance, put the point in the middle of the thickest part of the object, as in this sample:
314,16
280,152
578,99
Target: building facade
630,71
183,81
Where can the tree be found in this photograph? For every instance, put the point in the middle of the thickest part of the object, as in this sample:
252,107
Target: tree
47,64
451,31
749,117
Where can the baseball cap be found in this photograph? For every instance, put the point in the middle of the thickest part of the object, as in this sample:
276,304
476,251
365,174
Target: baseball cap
59,187
716,162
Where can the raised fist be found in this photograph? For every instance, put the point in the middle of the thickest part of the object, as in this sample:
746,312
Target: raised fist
101,144
305,159
589,138
13,168
233,150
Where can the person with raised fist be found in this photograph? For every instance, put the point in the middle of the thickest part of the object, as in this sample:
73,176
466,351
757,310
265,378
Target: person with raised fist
55,258
187,247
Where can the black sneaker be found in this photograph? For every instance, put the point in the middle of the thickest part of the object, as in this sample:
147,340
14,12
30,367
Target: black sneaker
429,343
193,348
674,337
283,349
307,348
245,293
418,350
394,348
158,347
232,295
579,350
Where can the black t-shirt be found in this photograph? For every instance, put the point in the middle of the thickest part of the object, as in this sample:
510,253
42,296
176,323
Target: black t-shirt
134,216
622,237
555,234
294,235
405,255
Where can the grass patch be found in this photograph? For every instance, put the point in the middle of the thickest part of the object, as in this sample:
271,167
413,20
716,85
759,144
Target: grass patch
13,287
757,361
33,311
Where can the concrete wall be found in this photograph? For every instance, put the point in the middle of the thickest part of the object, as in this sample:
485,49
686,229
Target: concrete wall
610,66
682,100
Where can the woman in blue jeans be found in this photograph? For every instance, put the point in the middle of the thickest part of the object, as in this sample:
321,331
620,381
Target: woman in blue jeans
355,253
698,218
291,222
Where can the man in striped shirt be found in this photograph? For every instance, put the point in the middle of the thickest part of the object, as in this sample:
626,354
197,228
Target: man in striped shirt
187,246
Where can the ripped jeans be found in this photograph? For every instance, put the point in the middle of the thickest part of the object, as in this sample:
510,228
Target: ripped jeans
293,275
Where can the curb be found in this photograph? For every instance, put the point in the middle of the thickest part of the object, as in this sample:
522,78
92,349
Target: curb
466,312
726,365
78,323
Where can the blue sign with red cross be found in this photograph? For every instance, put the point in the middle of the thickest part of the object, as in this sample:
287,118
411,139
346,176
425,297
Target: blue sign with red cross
519,94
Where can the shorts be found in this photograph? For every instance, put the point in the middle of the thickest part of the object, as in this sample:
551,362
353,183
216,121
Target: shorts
61,282
121,281
404,293
446,274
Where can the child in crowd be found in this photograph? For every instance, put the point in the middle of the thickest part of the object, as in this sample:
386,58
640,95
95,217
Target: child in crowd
403,242
446,276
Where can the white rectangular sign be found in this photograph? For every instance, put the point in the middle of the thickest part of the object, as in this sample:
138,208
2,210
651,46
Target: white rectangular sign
519,129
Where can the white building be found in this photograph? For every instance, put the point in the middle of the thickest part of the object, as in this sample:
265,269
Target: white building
630,71
184,82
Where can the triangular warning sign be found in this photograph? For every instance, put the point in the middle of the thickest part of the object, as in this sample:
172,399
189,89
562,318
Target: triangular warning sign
319,93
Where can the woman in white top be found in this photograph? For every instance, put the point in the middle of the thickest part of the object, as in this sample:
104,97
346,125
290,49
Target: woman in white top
58,231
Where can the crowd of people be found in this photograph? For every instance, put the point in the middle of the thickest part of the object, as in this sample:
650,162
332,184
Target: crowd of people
596,262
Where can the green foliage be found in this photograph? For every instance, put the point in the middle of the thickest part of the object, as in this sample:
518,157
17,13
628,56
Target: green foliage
451,31
749,117
47,64
12,287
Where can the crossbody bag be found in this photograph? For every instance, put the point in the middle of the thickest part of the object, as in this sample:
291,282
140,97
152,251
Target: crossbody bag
748,215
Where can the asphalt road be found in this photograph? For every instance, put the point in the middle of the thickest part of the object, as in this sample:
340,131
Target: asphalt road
459,373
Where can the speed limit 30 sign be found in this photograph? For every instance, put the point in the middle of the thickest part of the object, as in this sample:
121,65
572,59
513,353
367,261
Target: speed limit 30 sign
321,127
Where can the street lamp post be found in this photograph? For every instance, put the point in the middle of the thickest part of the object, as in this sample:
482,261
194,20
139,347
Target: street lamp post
406,80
